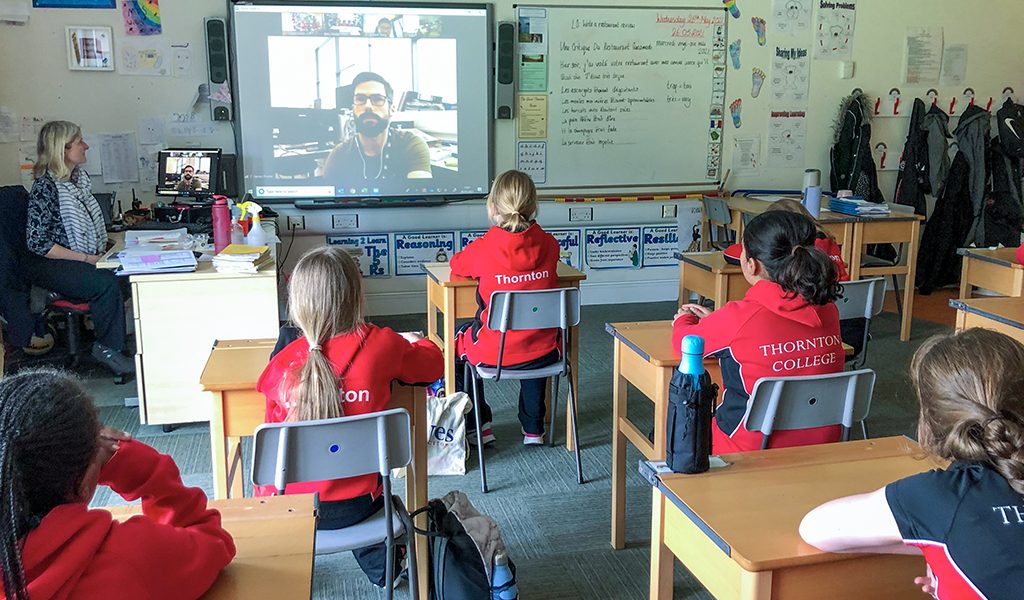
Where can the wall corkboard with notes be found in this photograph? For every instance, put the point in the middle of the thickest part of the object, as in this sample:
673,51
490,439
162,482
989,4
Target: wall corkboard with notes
631,97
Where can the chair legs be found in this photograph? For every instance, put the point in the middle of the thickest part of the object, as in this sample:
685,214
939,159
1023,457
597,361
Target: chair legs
554,410
74,337
899,300
410,548
469,378
575,427
864,428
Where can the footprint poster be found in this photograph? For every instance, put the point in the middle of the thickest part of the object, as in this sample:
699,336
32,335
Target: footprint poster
791,77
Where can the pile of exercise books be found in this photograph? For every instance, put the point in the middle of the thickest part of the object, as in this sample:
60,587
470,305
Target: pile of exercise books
857,206
239,258
138,261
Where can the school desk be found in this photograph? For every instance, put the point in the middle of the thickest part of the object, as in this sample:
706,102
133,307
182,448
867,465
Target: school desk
231,373
643,356
709,275
274,539
854,234
736,528
1005,315
993,269
455,298
178,316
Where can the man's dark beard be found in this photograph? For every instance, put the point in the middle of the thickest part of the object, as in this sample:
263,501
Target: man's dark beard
368,129
188,176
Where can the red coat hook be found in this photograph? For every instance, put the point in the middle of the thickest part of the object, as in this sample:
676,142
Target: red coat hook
878,103
896,106
951,105
988,107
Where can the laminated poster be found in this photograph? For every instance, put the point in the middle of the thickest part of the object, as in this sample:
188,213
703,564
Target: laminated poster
412,250
465,237
787,139
570,251
791,16
612,248
659,244
374,254
833,29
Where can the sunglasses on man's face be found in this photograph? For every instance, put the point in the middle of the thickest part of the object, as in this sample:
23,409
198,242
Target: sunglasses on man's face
375,99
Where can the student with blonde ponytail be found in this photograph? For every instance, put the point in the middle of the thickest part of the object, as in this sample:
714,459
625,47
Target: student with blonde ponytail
340,365
967,519
515,254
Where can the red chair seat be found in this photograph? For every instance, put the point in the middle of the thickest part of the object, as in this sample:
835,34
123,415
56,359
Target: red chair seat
68,305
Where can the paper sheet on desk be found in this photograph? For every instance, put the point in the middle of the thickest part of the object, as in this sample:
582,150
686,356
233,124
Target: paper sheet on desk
154,236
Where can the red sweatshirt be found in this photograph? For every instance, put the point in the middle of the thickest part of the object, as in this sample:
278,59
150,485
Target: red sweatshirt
765,335
823,243
505,261
174,550
367,361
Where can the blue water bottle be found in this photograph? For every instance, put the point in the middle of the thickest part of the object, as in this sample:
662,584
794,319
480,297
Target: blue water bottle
692,362
503,580
691,397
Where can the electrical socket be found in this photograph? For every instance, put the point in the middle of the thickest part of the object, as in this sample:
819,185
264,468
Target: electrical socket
345,221
668,211
581,213
296,222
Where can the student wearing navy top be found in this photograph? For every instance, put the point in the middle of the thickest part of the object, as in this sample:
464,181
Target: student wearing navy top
515,254
786,325
967,519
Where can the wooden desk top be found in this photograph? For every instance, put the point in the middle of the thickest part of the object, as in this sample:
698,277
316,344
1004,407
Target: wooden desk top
274,537
652,340
709,261
755,205
1005,257
442,274
203,269
235,364
752,508
1008,311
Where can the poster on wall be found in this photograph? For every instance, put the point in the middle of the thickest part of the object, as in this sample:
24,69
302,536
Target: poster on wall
922,55
612,248
414,249
787,139
791,16
570,251
374,253
833,29
144,56
691,217
533,49
74,3
791,77
659,244
746,155
532,159
465,237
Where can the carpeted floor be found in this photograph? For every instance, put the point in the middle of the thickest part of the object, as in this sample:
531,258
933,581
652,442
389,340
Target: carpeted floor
557,531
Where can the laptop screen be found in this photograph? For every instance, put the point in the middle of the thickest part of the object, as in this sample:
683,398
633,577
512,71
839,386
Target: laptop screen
189,172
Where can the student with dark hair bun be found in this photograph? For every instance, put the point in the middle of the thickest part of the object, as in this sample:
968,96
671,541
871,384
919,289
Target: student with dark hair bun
967,519
786,325
53,454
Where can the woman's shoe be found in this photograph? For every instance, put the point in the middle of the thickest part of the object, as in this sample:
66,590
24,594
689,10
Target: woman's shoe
112,359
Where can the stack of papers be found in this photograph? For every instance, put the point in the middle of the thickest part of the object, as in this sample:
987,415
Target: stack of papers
857,206
239,258
153,240
138,261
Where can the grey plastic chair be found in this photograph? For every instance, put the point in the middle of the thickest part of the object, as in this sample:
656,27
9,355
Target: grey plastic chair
719,217
303,451
783,403
861,299
534,309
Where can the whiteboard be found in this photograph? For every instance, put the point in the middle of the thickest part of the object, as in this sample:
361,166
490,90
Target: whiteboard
635,96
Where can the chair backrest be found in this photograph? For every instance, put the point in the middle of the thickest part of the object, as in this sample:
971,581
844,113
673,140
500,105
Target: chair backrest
861,299
747,218
783,403
106,202
302,451
716,210
534,309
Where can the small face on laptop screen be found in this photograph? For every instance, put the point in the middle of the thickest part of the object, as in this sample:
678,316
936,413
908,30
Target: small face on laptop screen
191,172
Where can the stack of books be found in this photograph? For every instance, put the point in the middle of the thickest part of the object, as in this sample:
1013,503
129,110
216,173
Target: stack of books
239,258
137,261
857,206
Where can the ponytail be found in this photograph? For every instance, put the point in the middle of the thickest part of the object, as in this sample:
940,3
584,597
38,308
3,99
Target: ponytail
971,389
48,439
784,243
325,300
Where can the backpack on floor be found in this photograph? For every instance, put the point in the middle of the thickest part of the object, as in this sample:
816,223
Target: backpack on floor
462,545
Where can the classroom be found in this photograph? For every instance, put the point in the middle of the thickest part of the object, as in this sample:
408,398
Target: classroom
755,266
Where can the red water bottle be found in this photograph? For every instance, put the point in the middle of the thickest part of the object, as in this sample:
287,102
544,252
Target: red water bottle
221,223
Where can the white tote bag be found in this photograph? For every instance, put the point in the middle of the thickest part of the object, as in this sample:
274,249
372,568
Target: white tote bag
446,441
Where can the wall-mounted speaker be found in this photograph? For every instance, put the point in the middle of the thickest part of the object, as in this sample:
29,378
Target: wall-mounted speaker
505,70
217,61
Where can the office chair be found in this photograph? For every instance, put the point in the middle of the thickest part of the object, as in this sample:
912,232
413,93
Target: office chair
783,403
377,442
534,309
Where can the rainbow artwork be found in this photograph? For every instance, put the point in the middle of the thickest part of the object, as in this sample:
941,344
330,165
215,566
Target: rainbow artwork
141,17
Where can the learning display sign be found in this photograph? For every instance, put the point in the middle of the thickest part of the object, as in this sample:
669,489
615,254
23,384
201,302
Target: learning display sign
570,251
414,249
659,244
612,247
375,254
465,237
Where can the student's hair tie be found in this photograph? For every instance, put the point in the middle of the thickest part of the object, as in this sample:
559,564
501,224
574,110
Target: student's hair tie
315,347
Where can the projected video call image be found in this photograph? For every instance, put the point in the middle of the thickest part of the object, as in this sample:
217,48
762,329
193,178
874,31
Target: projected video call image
365,102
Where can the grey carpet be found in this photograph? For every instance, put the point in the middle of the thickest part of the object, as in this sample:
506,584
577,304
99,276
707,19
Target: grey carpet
557,531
